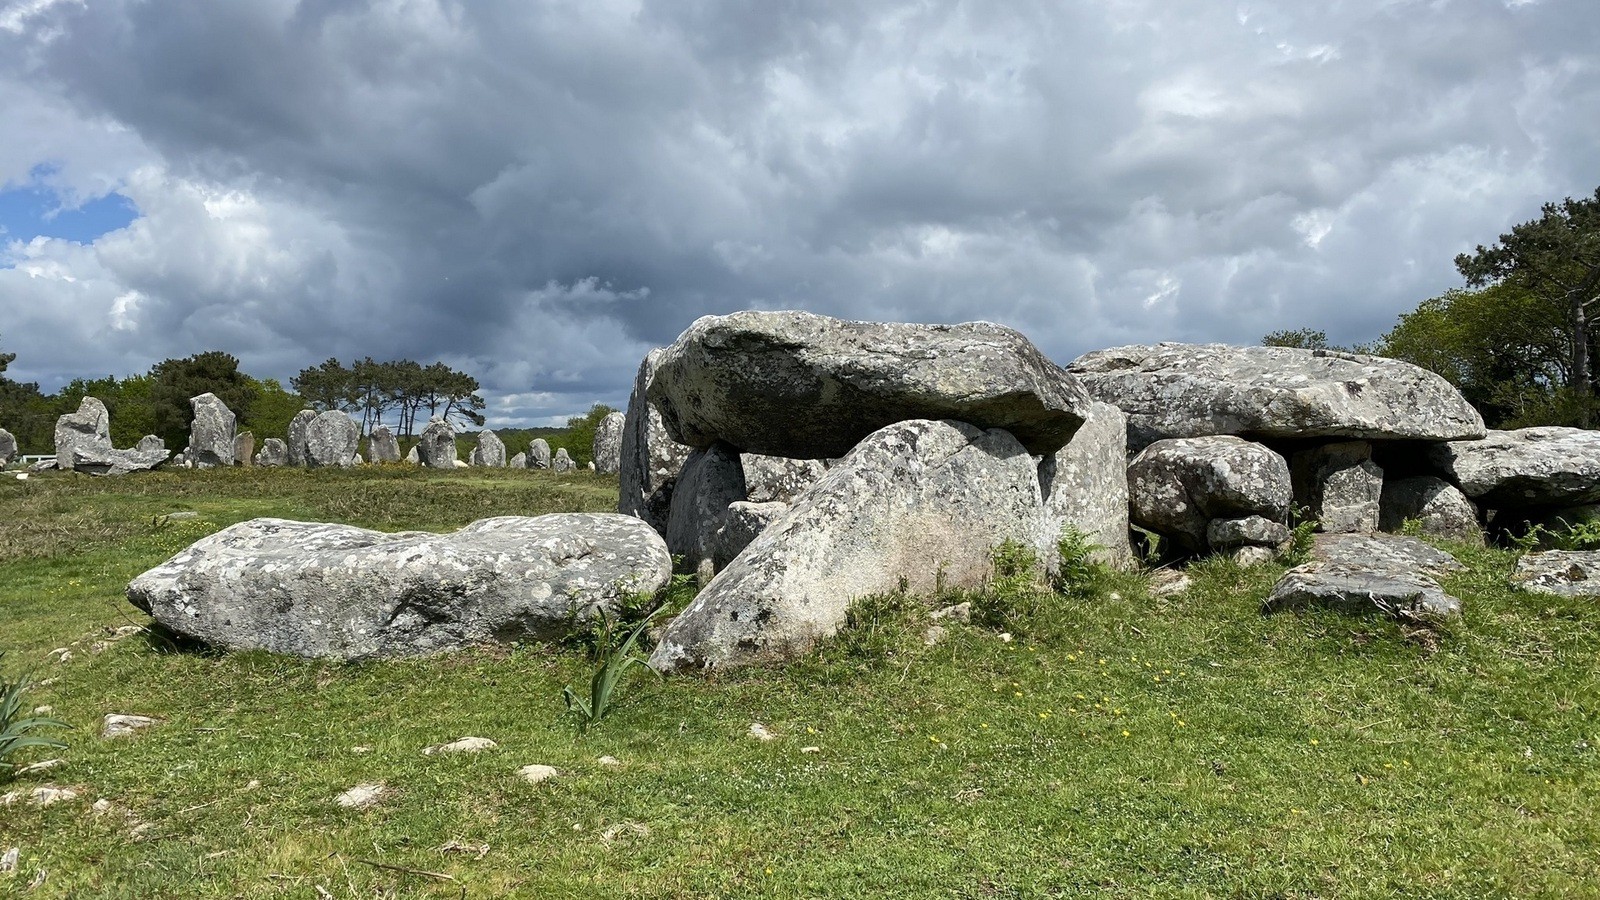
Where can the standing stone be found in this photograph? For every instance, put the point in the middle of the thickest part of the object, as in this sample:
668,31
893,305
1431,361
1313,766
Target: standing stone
491,451
331,440
382,445
274,453
150,442
89,428
520,461
1549,466
1340,485
211,433
710,480
1177,486
539,454
437,445
8,448
918,504
1085,485
413,457
742,523
801,385
650,458
774,478
244,448
562,462
1436,504
297,436
475,457
608,443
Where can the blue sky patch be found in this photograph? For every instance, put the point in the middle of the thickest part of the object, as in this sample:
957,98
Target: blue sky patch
31,211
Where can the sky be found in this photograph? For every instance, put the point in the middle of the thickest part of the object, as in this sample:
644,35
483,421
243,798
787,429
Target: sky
539,192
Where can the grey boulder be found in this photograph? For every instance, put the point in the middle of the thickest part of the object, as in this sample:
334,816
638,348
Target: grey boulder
1562,573
1363,573
562,462
106,461
742,522
1549,466
539,454
383,446
919,503
1177,486
150,442
8,448
650,459
436,448
1085,485
520,461
1339,485
88,429
775,478
607,448
1440,509
211,432
297,436
491,451
273,453
335,591
801,385
1189,390
1249,531
710,480
244,448
331,440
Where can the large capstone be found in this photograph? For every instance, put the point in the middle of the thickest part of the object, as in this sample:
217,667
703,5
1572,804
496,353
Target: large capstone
274,452
211,433
1085,485
1548,466
711,479
1177,486
436,447
297,436
650,458
801,385
336,591
1191,390
383,446
331,440
919,503
1438,508
1339,485
607,447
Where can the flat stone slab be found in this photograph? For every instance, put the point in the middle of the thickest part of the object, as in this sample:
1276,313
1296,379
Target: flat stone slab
1383,553
806,386
106,461
335,591
1191,390
1549,466
1364,573
1563,573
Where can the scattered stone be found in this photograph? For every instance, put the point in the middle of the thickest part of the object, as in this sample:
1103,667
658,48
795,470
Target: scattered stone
1250,531
1360,573
491,450
8,862
102,807
462,745
742,522
273,453
960,612
211,433
252,784
918,503
413,457
43,710
41,766
119,725
335,591
360,751
22,476
462,464
1436,504
710,480
1549,466
539,454
633,830
1177,486
1340,485
43,465
1383,552
520,461
607,449
88,430
1192,390
610,762
933,634
106,461
800,385
812,749
454,846
437,445
331,440
562,462
244,448
1562,573
536,773
362,796
770,479
650,458
1252,555
1169,582
383,446
760,733
150,443
1085,485
297,436
49,795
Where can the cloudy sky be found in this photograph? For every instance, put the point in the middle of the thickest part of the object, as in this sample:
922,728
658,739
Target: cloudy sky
540,190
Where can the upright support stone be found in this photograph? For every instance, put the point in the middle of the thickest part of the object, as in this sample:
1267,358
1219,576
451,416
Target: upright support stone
1340,485
1085,485
711,480
331,440
211,433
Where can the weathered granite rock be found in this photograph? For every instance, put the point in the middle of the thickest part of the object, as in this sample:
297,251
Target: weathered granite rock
1370,572
331,440
244,448
106,461
89,429
742,522
919,503
1441,509
1177,486
520,461
296,439
383,446
650,458
150,442
769,478
413,457
323,590
1190,390
539,454
1528,467
1085,485
1562,573
1249,531
491,450
562,462
436,446
608,443
211,433
8,448
475,457
801,385
1339,484
710,480
274,452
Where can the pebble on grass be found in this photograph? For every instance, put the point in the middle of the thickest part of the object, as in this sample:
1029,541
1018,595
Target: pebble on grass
361,796
537,773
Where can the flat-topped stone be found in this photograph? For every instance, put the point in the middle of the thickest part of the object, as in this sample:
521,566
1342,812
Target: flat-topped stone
1385,573
1563,573
1548,466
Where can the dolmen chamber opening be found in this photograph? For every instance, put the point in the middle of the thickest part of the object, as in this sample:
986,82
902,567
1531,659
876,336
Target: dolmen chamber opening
796,462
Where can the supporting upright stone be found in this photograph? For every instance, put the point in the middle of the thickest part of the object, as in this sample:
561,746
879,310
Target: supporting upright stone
711,480
650,459
1085,485
211,433
1340,485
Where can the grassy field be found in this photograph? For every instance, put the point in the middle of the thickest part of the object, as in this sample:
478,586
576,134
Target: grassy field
1127,746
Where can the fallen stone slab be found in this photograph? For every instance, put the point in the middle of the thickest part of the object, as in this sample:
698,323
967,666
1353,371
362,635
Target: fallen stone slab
335,591
117,725
1364,573
1562,573
1383,552
106,461
1189,390
1549,466
800,385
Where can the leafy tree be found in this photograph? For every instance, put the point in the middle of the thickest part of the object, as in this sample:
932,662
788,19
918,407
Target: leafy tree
177,380
270,410
1555,258
25,412
1303,338
326,386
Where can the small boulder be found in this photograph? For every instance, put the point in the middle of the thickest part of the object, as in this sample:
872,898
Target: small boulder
119,725
362,796
536,773
150,443
1436,504
1250,531
1177,486
461,745
608,443
273,453
1363,573
331,440
211,433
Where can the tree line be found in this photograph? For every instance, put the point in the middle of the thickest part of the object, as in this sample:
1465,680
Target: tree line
1518,338
403,387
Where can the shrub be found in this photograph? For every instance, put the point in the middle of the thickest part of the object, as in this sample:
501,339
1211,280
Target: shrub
15,728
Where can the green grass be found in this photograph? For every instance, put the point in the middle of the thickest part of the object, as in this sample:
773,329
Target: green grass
1131,747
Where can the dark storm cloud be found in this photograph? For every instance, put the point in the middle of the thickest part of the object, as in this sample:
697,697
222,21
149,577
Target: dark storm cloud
539,192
